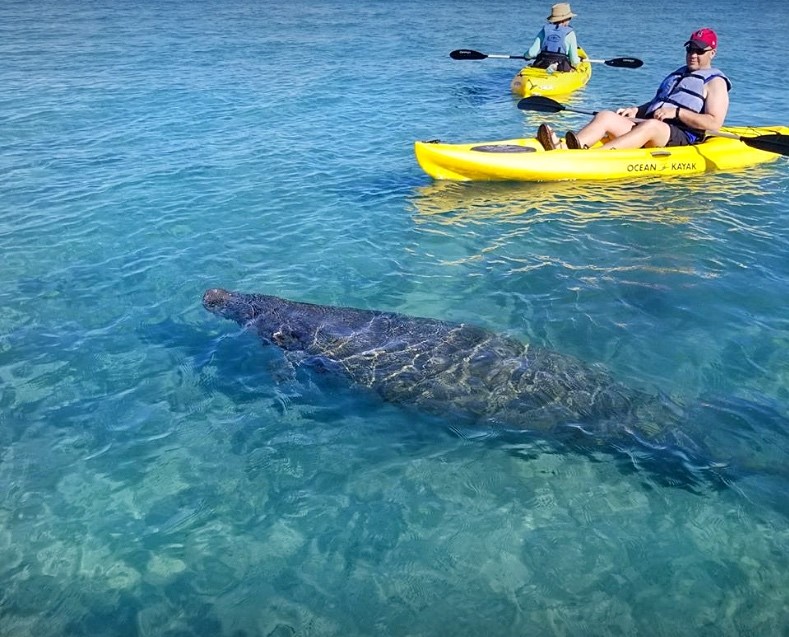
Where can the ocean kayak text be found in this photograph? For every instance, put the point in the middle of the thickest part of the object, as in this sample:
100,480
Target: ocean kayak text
641,168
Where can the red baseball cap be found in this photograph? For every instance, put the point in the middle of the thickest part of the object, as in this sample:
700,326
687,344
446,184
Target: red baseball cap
704,39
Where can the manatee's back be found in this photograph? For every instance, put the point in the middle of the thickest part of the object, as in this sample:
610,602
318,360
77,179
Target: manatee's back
464,371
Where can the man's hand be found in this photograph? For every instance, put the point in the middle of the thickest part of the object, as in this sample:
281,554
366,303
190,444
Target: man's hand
630,111
665,112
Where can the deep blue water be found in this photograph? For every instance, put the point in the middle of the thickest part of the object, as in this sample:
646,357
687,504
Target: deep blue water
163,474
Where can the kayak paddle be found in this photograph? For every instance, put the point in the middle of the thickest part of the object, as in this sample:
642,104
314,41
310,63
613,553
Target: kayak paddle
468,54
771,143
542,104
620,63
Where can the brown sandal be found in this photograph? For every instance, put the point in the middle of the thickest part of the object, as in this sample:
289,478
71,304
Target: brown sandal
571,139
545,137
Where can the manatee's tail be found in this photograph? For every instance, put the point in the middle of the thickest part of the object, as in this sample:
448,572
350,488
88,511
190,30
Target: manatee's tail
751,436
751,439
667,454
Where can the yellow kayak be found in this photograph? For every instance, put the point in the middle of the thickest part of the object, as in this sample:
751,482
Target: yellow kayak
531,81
527,160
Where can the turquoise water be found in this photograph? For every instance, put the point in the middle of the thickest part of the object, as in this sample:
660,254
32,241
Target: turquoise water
163,474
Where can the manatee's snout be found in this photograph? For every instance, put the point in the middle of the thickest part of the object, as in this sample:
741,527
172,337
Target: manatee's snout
215,299
230,305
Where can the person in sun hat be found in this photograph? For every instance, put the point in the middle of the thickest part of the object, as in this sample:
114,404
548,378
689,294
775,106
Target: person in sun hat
691,100
556,43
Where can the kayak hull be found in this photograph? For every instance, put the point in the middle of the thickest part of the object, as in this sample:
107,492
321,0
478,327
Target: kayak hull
527,160
532,81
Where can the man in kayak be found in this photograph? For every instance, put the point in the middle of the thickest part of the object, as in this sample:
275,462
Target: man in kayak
691,100
555,45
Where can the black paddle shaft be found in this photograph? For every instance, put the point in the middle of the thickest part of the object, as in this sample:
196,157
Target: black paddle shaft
470,54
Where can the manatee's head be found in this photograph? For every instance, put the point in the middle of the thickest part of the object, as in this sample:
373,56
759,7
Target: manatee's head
231,305
275,320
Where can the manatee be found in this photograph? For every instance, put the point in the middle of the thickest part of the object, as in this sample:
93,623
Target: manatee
466,374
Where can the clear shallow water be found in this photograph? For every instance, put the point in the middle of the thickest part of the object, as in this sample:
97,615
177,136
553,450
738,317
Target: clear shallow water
160,473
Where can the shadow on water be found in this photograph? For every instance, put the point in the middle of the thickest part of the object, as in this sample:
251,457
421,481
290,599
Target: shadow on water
752,436
719,442
490,88
233,363
716,443
204,349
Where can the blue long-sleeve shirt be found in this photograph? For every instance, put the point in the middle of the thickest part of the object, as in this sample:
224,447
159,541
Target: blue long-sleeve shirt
570,44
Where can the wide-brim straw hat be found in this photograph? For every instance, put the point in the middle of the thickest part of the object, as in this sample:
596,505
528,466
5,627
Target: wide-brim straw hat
560,12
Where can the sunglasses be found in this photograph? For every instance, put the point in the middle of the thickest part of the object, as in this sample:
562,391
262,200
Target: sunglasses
690,50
